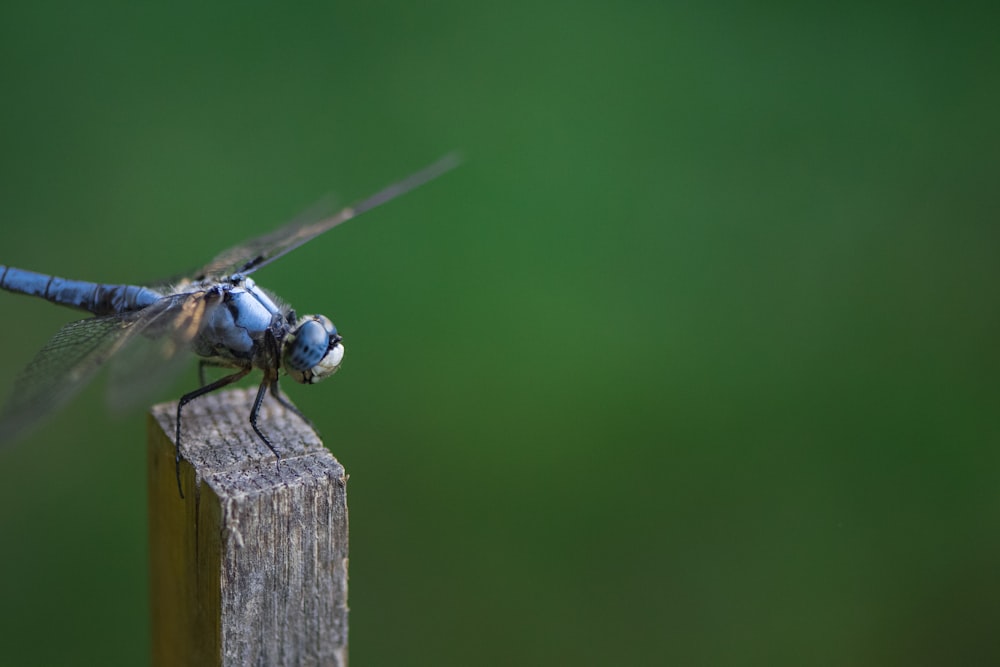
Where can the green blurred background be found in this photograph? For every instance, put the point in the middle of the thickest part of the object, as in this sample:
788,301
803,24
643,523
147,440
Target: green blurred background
693,362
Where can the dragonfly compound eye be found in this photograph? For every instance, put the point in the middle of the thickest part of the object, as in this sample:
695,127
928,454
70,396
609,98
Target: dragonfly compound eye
313,350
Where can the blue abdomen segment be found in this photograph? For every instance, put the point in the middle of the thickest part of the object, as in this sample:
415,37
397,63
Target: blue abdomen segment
96,298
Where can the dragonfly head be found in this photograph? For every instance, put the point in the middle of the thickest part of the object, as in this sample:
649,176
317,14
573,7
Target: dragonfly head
312,350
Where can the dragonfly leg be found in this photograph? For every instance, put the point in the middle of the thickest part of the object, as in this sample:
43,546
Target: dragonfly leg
187,398
202,365
278,396
254,412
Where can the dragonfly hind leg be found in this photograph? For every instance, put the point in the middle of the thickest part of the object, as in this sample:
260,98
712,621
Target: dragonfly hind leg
202,365
187,398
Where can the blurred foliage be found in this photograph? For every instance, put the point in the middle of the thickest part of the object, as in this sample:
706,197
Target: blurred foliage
693,362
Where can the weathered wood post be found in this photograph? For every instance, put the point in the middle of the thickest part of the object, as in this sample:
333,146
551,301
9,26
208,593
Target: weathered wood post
250,568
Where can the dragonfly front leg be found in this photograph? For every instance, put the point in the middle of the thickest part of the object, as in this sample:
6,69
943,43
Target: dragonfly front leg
187,398
255,412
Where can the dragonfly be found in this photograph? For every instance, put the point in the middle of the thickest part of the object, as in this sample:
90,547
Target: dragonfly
219,313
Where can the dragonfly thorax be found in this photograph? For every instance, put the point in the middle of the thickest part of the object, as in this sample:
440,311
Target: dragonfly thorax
313,350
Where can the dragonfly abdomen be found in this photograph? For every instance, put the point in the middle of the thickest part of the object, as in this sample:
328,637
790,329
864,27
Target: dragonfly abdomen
96,298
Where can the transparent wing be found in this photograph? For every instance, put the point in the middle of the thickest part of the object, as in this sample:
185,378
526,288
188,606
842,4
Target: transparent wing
73,356
258,252
221,267
59,370
155,359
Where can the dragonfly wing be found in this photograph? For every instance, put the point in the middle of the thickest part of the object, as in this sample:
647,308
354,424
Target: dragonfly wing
60,369
74,355
252,255
232,260
153,360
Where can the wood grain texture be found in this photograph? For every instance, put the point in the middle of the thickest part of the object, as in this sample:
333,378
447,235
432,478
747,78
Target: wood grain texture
250,568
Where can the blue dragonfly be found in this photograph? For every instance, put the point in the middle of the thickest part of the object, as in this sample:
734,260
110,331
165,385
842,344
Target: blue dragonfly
219,314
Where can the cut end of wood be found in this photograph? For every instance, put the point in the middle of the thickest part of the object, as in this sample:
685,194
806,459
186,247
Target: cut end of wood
216,437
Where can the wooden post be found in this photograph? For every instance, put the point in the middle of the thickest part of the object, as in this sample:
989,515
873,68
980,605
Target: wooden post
250,568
